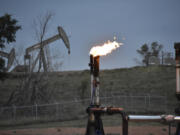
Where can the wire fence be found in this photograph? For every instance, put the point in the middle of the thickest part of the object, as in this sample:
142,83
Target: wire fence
77,109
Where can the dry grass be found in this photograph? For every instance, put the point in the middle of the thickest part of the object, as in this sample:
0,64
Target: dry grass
75,85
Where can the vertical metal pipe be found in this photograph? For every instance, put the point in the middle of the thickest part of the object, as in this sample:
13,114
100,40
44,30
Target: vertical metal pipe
177,57
95,125
169,125
177,77
96,66
124,124
94,70
96,79
92,90
91,64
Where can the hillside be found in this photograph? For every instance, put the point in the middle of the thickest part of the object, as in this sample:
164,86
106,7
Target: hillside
126,81
138,90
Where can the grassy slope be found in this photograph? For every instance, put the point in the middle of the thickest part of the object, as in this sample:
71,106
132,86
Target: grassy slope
68,86
127,81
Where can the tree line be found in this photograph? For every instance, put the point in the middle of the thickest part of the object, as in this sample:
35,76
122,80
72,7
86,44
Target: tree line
9,26
8,29
153,54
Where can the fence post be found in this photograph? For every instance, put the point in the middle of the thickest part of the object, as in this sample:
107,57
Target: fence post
126,104
57,110
36,111
61,111
166,110
14,112
106,100
131,98
149,102
145,104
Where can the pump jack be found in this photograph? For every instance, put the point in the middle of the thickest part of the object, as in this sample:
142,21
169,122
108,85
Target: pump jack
10,56
61,35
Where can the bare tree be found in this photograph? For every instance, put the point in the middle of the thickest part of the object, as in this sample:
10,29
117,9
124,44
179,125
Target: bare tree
41,28
46,60
32,88
147,51
19,55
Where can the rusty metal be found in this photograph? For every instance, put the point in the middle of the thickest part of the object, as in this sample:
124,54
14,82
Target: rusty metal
177,58
95,111
177,51
94,70
95,122
95,125
111,111
108,110
96,66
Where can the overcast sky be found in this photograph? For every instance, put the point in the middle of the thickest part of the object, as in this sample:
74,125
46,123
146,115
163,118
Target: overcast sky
92,22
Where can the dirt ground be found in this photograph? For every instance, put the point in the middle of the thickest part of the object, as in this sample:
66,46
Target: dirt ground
133,130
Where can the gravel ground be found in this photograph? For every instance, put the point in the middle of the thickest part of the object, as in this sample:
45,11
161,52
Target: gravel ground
133,130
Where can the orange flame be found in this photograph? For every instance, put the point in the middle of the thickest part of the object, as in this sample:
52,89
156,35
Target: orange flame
104,49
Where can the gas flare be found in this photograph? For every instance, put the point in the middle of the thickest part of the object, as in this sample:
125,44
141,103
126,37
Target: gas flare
104,49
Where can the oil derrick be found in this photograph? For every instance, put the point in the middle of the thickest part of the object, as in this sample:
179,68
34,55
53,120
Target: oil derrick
33,86
10,57
48,58
40,46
